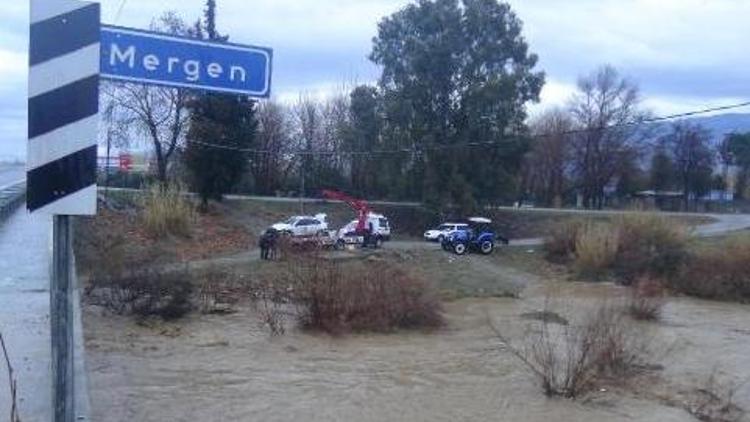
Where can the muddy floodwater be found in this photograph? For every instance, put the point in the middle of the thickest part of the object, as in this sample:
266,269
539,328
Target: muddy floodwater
226,368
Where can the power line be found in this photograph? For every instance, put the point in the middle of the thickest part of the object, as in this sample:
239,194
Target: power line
302,152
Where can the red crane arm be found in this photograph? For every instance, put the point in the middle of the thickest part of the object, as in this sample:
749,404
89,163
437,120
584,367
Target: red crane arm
360,206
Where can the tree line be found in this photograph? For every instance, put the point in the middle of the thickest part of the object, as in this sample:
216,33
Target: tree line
445,124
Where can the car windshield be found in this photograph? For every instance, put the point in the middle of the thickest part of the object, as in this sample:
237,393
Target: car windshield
291,220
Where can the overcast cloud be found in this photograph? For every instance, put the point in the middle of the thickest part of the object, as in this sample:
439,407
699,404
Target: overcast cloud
685,54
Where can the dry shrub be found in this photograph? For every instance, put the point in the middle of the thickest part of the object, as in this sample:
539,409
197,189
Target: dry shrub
649,244
714,401
571,360
596,248
338,297
144,293
219,291
270,311
166,210
560,245
12,384
646,299
720,274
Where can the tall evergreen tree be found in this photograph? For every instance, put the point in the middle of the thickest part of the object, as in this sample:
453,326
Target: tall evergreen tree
221,125
457,72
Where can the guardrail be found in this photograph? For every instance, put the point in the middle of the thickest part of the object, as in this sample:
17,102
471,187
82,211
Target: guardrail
11,196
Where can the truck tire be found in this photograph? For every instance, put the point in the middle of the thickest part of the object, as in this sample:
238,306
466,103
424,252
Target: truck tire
486,247
378,242
459,248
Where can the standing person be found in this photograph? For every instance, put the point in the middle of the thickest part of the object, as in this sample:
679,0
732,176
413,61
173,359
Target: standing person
267,243
370,240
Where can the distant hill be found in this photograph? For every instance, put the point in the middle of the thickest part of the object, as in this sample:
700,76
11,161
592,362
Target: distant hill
719,125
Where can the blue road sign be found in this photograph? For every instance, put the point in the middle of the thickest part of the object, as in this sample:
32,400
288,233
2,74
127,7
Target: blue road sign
146,57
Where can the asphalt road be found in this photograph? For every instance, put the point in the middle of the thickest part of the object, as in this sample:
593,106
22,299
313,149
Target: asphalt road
24,316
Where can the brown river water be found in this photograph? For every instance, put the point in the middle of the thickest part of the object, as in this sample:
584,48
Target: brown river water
226,368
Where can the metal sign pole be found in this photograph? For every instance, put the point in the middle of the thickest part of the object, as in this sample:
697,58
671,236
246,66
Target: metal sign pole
61,320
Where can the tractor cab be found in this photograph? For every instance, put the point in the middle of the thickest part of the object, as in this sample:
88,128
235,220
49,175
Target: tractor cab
477,235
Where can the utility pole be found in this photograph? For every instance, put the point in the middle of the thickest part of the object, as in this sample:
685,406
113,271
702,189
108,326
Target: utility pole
106,165
302,171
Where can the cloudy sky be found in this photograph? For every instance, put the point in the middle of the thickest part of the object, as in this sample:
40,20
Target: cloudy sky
685,54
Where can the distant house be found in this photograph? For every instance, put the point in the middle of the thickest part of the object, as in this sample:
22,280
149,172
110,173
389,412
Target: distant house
663,200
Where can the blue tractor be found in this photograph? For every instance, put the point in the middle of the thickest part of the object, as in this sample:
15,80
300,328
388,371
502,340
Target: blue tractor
477,236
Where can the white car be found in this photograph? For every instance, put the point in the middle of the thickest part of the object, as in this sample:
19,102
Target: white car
441,231
303,225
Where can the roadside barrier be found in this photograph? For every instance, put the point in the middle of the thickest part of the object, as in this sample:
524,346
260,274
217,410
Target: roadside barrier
11,196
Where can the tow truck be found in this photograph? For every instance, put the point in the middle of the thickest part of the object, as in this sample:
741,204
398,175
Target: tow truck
358,232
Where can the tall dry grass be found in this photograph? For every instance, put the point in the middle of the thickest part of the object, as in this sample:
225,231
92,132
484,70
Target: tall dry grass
560,245
596,250
166,210
651,245
721,273
631,246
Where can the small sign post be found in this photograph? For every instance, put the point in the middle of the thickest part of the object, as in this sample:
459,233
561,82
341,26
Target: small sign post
61,163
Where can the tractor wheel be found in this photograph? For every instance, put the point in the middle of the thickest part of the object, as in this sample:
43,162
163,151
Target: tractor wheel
487,247
378,243
459,248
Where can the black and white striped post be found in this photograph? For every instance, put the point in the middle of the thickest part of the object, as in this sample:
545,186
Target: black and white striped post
61,159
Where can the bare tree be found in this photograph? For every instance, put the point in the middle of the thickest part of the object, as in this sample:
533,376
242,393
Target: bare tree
546,165
307,123
158,113
606,109
335,115
693,158
271,166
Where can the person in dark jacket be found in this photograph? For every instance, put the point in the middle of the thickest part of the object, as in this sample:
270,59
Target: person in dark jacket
267,244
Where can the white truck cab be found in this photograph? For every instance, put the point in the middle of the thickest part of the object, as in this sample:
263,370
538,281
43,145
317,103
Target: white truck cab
379,223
